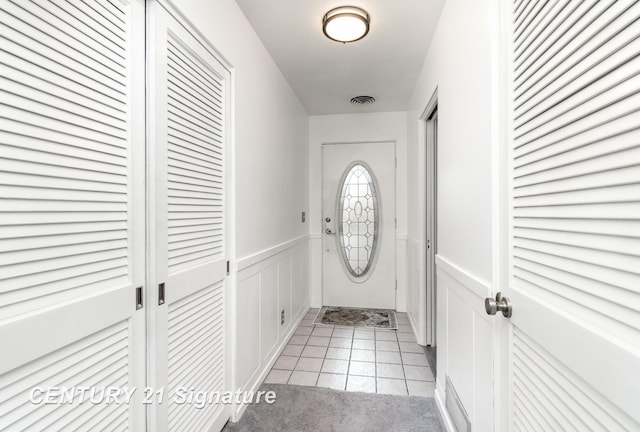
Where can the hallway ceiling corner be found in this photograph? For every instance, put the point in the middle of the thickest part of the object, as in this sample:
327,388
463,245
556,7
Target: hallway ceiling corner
325,74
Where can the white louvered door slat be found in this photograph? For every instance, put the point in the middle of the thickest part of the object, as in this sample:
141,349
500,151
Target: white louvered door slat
189,118
72,206
575,216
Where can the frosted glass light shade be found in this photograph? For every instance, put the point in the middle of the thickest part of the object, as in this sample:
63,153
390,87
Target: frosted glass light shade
346,24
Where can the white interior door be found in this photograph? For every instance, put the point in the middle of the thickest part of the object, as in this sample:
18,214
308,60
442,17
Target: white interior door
358,201
574,356
72,234
188,138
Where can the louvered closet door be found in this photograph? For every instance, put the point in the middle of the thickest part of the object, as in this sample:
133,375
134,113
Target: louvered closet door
188,123
575,154
71,209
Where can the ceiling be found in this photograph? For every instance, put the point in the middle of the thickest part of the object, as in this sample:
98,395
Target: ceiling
326,74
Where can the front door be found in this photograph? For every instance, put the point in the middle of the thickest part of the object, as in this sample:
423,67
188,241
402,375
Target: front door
359,225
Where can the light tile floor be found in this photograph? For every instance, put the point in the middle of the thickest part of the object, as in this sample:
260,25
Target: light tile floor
354,359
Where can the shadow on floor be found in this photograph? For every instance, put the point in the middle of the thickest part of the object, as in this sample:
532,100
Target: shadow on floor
431,358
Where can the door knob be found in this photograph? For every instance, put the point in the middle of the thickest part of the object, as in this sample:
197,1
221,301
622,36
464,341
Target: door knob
502,304
328,231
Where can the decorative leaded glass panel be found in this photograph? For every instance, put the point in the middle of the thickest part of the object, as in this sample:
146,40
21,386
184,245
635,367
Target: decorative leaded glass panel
358,220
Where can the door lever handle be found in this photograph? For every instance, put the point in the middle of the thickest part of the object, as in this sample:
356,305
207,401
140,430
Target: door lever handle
328,231
502,304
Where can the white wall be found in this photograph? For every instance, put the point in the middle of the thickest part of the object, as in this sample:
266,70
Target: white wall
345,128
271,168
459,65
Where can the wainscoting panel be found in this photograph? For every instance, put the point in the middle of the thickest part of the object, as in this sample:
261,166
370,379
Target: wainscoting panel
269,282
465,342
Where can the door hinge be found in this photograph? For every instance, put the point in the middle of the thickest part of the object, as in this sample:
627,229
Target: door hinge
228,268
139,304
396,284
395,223
396,162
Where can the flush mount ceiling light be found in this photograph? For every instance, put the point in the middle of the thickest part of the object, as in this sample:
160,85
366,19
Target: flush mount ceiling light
345,24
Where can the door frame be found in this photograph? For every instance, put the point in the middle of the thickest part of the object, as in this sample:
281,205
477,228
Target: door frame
501,183
395,215
427,225
172,8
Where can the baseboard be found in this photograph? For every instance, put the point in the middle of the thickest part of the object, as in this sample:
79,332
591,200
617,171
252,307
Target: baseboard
448,423
240,409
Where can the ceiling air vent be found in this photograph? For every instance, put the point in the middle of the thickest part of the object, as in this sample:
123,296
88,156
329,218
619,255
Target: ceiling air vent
363,100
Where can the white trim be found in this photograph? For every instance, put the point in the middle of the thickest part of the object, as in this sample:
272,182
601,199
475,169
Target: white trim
420,322
473,283
446,419
171,6
257,382
500,127
258,257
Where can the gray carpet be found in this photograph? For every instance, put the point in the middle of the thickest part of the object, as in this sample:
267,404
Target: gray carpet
302,409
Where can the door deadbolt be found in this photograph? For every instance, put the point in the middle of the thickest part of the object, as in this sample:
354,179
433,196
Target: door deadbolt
502,304
327,219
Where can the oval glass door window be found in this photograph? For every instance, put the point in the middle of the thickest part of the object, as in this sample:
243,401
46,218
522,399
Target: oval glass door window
358,217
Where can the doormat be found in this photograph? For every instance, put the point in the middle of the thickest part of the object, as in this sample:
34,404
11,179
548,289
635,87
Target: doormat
354,317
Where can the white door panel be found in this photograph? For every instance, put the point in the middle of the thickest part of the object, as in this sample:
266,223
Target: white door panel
189,115
575,217
72,209
376,289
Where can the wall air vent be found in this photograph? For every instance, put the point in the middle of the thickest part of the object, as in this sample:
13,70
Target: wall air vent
363,100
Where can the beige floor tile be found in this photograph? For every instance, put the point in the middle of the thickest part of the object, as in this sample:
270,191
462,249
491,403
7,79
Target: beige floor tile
338,353
292,350
335,366
363,355
340,343
418,373
309,364
388,357
278,377
286,363
306,323
411,348
364,334
364,344
362,368
406,337
322,331
314,351
414,359
404,328
342,332
386,336
332,381
303,378
384,370
361,384
298,340
420,388
318,341
387,346
391,386
304,331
